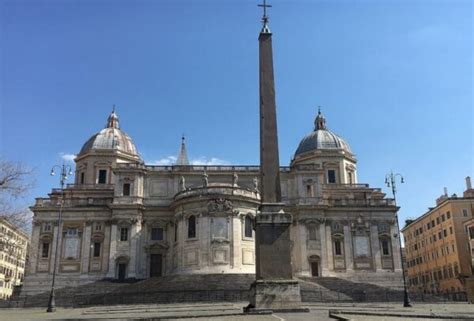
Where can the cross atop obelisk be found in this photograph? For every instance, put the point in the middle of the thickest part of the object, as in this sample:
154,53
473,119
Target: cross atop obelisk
265,28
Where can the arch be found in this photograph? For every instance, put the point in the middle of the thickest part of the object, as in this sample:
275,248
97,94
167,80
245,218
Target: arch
248,226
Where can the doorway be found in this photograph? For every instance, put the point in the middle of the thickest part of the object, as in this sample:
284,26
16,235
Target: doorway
156,261
122,271
314,269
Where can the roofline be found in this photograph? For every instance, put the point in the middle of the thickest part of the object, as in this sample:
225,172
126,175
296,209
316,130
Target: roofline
436,208
15,228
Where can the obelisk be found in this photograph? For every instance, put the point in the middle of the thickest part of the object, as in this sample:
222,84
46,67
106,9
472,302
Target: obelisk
274,288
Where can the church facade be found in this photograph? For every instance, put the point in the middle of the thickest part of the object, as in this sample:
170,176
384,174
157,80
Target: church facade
122,218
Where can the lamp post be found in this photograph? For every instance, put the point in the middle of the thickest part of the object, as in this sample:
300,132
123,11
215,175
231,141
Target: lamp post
391,181
65,171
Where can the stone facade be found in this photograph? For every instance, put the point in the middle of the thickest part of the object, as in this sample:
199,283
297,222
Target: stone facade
13,249
437,245
124,219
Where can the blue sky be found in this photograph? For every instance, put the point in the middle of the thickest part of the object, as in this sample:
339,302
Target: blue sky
394,78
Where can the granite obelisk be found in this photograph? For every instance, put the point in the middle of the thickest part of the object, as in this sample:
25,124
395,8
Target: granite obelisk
274,287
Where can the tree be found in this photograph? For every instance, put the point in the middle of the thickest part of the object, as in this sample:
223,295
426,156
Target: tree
15,182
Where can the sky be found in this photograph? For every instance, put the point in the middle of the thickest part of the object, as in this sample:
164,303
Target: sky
392,77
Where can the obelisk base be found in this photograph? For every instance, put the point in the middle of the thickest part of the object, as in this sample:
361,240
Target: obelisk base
275,296
274,288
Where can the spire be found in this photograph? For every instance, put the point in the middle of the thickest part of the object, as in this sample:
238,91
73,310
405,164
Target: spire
113,120
320,121
265,28
183,156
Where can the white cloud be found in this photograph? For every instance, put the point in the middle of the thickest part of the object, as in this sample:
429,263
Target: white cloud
208,161
67,157
169,160
203,160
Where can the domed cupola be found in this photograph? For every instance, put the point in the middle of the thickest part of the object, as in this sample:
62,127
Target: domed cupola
322,139
111,138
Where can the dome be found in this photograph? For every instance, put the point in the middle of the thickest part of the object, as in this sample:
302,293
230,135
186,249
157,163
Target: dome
111,137
321,139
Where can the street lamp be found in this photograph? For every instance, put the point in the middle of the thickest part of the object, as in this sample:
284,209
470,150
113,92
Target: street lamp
391,181
65,171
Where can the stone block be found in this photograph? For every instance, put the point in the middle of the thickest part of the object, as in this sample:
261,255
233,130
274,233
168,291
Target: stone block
275,295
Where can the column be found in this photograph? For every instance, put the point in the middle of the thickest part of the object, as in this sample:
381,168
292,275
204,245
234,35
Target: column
324,250
374,240
57,229
237,225
330,259
106,249
348,253
113,251
34,250
132,265
397,261
302,242
86,248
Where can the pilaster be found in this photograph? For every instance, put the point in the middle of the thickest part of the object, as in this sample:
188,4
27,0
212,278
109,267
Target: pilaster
86,248
329,252
348,253
374,239
324,249
113,251
34,249
397,262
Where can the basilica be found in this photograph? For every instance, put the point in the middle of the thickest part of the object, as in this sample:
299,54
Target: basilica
123,219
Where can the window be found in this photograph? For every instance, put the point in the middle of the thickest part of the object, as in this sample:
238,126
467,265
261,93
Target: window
248,226
102,176
96,249
385,247
440,236
450,230
434,238
71,231
47,227
82,177
464,212
176,231
156,234
448,215
443,218
126,189
192,227
331,176
98,227
45,250
428,225
432,223
337,247
124,234
445,233
437,220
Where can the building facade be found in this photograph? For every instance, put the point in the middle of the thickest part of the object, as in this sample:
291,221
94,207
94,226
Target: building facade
13,250
436,244
124,219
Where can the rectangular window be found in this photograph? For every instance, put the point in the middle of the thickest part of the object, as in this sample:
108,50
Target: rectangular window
434,238
96,249
428,225
350,178
82,178
124,234
440,235
45,250
437,220
443,218
47,227
471,232
102,176
450,230
445,233
71,231
331,176
464,212
126,189
156,234
432,223
448,215
337,248
309,191
98,227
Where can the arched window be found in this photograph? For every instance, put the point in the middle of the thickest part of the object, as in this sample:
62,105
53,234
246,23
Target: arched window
192,227
248,226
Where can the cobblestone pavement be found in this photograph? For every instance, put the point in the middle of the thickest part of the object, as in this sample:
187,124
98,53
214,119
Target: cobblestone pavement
233,311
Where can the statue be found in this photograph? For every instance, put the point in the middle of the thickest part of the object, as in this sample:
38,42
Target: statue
255,184
235,179
205,179
182,183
